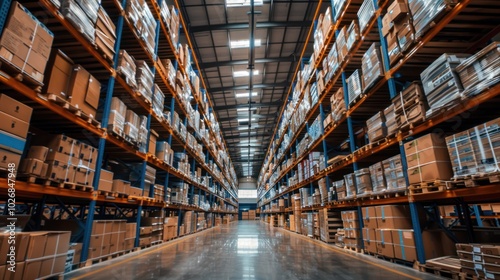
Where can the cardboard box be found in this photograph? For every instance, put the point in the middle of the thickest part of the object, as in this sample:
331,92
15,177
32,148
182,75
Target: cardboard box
88,154
62,144
51,266
22,240
430,172
404,245
61,159
58,77
38,152
152,142
369,240
106,181
31,166
15,108
99,227
13,125
398,9
59,172
393,217
130,230
8,157
77,247
84,90
105,35
145,230
121,186
84,176
385,245
428,155
369,217
135,191
18,275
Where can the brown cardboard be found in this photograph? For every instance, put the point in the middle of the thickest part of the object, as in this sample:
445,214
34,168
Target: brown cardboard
78,251
88,153
121,186
60,68
18,275
493,250
398,9
31,166
105,33
59,172
385,245
393,217
61,159
15,108
57,242
99,227
146,230
369,240
36,247
428,140
52,265
38,152
8,157
106,181
427,155
62,144
404,245
130,230
135,191
387,24
430,172
84,176
84,90
13,125
369,217
152,142
21,246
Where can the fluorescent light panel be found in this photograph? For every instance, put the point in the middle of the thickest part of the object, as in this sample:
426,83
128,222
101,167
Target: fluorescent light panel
244,43
239,74
245,120
247,95
242,3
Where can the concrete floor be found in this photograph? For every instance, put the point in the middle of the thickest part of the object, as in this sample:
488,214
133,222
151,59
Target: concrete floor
246,250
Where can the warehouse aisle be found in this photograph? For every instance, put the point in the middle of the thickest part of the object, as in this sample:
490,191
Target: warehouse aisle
243,251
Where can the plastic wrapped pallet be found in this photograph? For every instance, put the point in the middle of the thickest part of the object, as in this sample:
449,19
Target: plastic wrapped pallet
441,84
117,114
131,126
365,14
338,7
376,127
475,151
304,197
342,44
332,63
142,137
480,71
390,120
90,7
410,106
145,79
426,12
354,86
350,185
393,172
371,65
378,179
363,182
127,68
75,14
158,100
340,189
352,35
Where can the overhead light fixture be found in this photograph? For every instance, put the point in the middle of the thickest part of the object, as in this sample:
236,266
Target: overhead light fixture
246,94
242,3
244,43
245,120
239,74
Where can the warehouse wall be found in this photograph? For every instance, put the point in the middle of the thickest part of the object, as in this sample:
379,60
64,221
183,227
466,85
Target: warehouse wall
247,185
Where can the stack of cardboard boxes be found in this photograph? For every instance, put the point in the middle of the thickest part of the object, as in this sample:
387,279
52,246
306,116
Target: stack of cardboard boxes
170,228
82,15
378,179
130,235
427,12
393,172
145,238
322,29
350,186
475,150
145,79
38,254
341,42
108,237
171,20
26,43
371,66
350,220
105,35
329,222
63,159
251,214
376,127
365,13
397,29
339,188
354,87
127,68
363,182
14,127
156,224
479,260
410,106
143,21
244,215
428,159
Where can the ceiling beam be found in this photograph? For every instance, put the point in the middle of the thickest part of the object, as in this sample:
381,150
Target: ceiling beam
205,65
233,26
245,128
246,136
245,87
254,105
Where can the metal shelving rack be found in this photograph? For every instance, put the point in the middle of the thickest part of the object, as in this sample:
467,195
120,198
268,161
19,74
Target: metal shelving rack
57,119
375,99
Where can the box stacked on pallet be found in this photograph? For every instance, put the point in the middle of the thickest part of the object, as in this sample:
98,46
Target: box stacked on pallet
323,190
371,66
297,212
329,222
410,106
121,186
354,87
370,226
331,63
475,151
480,71
341,41
394,176
142,138
145,24
350,220
38,254
145,236
131,126
398,29
130,234
14,127
376,127
379,184
108,237
363,182
352,35
365,13
338,105
144,79
105,35
391,220
82,15
340,188
170,228
164,152
156,224
427,12
428,160
251,215
391,120
441,84
350,186
127,68
116,123
479,260
25,43
338,8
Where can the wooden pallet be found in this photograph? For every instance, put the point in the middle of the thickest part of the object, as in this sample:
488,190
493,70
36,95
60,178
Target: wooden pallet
58,276
479,179
59,184
429,187
356,250
73,109
9,70
107,193
443,272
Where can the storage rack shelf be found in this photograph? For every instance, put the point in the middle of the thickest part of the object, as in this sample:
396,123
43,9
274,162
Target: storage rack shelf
453,32
50,116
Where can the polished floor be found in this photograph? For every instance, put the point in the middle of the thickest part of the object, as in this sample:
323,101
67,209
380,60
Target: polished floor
246,250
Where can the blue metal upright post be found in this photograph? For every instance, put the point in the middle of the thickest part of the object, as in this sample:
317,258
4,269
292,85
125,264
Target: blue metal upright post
419,244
